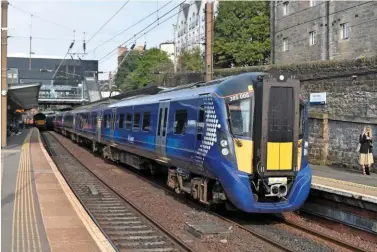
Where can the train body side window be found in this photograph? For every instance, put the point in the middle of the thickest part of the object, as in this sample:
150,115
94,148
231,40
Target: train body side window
200,124
146,121
129,121
136,125
180,122
121,120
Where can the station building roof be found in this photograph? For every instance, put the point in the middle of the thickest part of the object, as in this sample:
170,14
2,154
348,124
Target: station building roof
25,96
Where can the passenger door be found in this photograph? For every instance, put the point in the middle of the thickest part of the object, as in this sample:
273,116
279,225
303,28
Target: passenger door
162,124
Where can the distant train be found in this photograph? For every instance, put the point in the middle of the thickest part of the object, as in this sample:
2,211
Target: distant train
44,121
239,141
40,121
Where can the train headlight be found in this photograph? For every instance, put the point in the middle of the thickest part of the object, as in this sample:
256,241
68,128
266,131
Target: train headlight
224,143
225,151
306,148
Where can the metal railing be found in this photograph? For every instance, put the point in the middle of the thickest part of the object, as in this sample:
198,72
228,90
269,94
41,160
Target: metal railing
61,96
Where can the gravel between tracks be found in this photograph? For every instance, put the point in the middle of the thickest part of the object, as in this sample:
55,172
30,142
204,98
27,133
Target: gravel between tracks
356,240
169,212
173,214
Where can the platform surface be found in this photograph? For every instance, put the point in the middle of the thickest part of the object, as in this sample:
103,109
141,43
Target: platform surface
38,209
344,180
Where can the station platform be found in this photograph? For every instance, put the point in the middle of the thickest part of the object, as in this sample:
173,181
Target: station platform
39,211
345,182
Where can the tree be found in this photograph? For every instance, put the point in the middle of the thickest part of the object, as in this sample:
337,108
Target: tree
242,33
191,60
127,67
153,66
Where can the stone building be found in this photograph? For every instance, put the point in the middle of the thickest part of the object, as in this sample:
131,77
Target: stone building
322,30
189,31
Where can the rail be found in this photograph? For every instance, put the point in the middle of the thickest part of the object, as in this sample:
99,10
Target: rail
98,182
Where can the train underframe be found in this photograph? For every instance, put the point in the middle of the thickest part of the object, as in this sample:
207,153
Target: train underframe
205,190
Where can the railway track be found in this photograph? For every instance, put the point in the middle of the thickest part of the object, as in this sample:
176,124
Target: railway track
278,244
127,227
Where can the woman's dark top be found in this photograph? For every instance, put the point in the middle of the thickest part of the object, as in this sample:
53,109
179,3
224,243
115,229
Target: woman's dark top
366,144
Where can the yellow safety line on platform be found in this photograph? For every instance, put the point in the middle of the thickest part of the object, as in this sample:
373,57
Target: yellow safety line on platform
16,203
347,183
24,214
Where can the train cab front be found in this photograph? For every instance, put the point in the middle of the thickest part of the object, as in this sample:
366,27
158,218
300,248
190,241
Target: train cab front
269,132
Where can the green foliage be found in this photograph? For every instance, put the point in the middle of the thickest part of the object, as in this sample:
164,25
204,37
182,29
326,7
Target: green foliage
191,61
242,33
153,66
128,66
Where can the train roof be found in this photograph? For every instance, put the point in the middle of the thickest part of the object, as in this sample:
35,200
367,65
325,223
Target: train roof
192,90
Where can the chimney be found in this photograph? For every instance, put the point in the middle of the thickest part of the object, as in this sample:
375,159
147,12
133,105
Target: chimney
122,50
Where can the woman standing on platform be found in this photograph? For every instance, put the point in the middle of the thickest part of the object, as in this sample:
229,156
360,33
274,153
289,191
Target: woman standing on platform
366,155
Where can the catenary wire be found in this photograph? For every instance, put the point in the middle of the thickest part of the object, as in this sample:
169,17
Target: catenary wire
124,5
138,22
142,31
41,18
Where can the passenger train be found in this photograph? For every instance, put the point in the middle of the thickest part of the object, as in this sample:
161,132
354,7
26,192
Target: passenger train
44,121
40,121
240,141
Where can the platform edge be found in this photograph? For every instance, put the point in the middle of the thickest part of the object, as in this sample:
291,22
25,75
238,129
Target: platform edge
345,193
101,241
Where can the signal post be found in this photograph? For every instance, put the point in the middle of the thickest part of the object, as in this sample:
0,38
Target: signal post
209,27
4,67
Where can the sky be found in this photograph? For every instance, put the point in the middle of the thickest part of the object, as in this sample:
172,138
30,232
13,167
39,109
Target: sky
53,23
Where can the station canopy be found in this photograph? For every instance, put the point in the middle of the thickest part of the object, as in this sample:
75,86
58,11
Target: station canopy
24,96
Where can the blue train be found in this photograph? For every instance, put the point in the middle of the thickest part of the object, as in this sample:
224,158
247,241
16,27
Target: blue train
240,141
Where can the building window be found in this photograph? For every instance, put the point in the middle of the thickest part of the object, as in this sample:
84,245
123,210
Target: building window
312,36
344,30
285,8
285,45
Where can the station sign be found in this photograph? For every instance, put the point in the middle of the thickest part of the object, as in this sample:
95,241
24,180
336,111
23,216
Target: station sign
317,98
